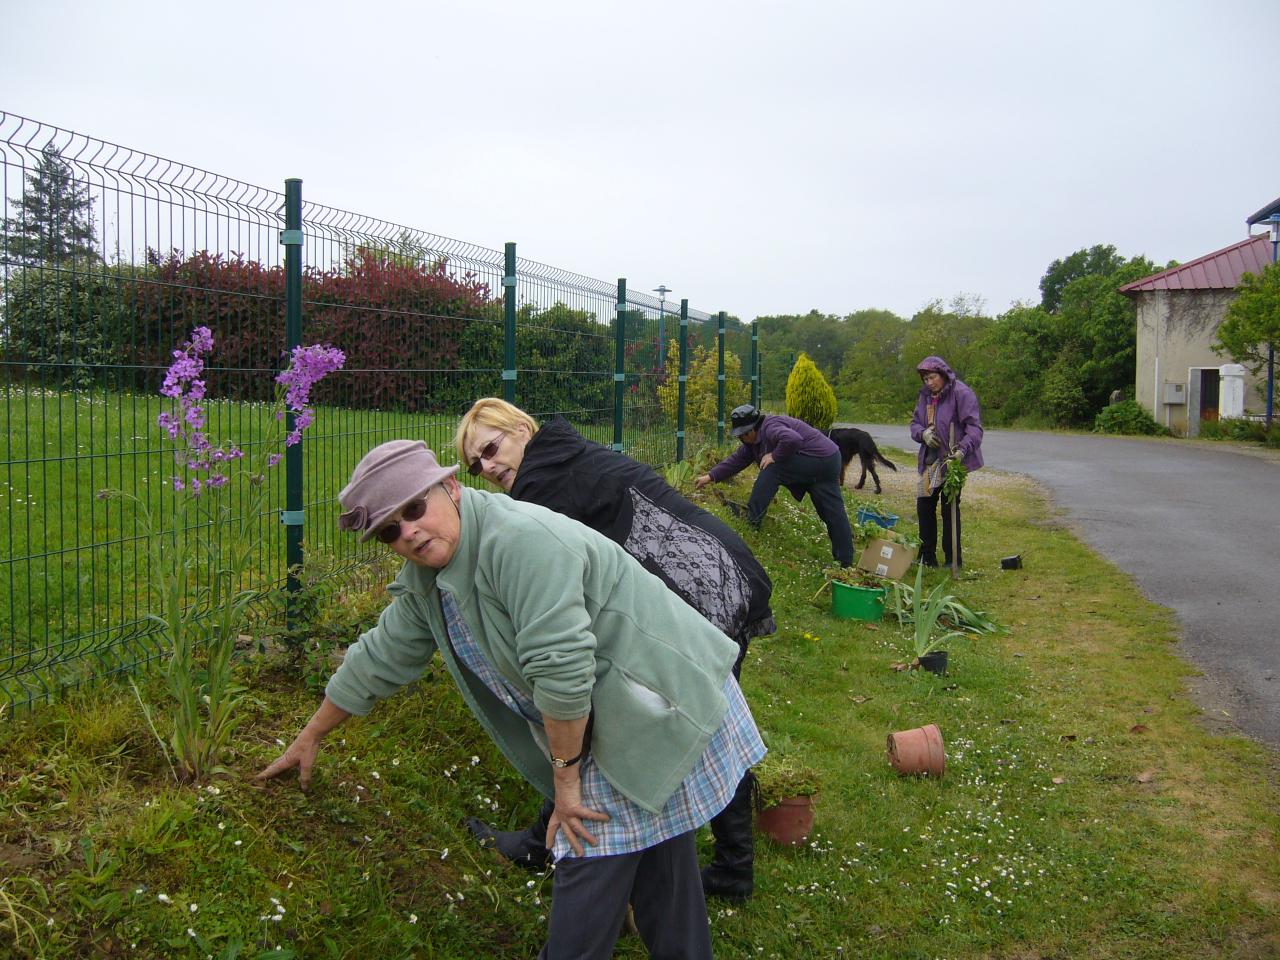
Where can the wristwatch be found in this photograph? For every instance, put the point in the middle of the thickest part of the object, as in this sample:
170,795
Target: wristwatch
561,764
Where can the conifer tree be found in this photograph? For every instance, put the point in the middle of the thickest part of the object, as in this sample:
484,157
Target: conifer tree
809,396
54,219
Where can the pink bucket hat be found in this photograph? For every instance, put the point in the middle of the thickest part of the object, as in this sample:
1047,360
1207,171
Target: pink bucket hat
387,478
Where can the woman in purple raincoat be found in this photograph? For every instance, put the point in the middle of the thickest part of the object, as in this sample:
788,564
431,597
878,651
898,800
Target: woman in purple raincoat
948,426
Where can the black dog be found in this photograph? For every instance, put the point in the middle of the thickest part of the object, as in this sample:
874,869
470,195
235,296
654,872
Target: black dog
854,442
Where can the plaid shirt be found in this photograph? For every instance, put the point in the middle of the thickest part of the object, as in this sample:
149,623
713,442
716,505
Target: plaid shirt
708,788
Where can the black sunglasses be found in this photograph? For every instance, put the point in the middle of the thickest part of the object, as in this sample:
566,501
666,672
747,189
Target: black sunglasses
488,452
389,533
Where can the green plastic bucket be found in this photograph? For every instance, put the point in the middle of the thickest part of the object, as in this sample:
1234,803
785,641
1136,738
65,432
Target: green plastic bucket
857,603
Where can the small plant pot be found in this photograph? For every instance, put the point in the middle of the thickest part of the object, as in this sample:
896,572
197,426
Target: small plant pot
918,752
857,603
886,520
935,662
788,822
1011,563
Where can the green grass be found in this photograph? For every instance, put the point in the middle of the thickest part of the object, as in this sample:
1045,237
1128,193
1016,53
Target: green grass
1086,810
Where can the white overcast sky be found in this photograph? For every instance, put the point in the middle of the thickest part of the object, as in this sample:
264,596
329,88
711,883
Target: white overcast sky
755,157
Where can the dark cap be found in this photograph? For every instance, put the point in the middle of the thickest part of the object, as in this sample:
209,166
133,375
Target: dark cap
744,419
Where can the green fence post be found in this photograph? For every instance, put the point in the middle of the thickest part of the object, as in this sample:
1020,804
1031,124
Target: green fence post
683,378
755,364
619,354
720,382
291,516
509,325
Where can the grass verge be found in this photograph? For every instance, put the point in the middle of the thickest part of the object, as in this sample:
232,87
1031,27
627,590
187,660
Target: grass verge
1086,811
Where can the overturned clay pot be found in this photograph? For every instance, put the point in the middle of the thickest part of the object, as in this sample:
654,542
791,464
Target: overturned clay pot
918,752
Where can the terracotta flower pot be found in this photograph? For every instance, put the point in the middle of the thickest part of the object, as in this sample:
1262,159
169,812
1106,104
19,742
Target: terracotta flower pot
789,822
918,751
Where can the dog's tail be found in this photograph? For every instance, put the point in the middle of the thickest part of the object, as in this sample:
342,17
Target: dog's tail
875,452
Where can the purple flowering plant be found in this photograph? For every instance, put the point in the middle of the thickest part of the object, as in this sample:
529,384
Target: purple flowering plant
202,563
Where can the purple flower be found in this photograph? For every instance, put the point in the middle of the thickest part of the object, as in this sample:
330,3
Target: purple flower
202,340
170,425
307,367
186,424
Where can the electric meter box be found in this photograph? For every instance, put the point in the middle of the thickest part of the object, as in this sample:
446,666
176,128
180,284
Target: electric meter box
1175,393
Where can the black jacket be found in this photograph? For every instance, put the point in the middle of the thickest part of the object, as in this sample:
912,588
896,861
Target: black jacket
692,551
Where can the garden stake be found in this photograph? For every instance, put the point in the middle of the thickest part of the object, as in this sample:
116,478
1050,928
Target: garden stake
955,517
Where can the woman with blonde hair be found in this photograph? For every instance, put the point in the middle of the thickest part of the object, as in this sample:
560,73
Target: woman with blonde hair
694,553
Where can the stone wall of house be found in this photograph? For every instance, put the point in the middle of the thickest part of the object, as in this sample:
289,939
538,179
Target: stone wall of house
1177,327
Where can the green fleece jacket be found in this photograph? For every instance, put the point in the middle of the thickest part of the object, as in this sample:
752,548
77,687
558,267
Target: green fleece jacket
568,617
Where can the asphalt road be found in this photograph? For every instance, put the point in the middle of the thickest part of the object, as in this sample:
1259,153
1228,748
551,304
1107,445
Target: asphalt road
1197,527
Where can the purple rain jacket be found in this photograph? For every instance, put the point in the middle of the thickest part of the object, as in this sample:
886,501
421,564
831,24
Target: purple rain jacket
957,404
784,437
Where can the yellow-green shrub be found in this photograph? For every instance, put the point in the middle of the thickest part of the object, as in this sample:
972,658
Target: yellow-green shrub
809,396
701,388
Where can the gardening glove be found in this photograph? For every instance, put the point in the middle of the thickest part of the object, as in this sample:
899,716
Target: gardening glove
930,438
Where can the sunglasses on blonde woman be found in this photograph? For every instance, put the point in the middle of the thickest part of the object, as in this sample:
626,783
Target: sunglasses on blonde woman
487,452
389,533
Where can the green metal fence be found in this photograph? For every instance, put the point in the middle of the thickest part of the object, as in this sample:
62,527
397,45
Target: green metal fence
110,258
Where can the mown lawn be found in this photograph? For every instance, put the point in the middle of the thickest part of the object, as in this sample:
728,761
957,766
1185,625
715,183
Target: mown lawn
1086,811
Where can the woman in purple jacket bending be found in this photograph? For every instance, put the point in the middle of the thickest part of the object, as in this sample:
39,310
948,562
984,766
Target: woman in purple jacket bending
948,426
793,454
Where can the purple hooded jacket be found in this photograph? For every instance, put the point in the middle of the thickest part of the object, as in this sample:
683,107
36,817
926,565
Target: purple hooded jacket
957,404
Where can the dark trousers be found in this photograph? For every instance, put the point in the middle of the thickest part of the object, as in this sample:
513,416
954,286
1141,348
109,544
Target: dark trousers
927,514
589,897
819,477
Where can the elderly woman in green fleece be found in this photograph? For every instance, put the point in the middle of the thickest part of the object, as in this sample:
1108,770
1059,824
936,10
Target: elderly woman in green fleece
598,684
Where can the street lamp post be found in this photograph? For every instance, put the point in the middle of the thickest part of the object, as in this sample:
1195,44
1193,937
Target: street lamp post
1273,222
662,290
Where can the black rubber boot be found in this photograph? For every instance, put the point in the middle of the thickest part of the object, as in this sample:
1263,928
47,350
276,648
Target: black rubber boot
927,515
730,874
524,847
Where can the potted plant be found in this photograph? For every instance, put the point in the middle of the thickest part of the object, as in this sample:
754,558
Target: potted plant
855,594
928,634
785,789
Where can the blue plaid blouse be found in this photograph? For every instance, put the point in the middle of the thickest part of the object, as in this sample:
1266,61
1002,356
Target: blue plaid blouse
734,748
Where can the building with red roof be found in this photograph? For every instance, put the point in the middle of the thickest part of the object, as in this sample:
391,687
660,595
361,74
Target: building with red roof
1180,380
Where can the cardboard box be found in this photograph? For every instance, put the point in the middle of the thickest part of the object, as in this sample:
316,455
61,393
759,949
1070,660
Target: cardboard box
886,559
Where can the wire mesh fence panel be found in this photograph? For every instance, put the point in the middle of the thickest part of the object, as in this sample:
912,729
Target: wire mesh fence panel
419,318
565,347
112,259
649,433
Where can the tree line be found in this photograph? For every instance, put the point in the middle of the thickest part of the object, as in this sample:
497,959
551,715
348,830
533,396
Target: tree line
69,315
1052,363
